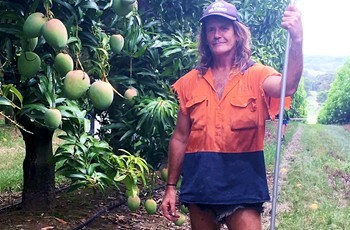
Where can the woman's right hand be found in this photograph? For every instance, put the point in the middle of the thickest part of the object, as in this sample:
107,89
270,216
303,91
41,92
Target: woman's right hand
169,204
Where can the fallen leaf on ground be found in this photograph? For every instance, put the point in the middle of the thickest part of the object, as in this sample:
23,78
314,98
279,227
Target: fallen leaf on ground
61,221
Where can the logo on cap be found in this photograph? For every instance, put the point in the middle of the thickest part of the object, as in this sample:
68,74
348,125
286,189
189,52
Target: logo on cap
217,7
221,8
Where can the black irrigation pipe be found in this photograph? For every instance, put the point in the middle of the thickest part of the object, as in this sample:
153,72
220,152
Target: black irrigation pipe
104,209
15,205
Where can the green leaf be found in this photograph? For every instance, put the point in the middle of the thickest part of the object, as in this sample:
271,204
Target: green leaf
77,176
73,40
91,169
120,177
39,107
5,101
89,37
172,51
10,30
127,134
69,7
76,185
17,94
87,125
140,52
88,5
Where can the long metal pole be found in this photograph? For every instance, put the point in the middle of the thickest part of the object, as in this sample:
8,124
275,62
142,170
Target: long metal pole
279,134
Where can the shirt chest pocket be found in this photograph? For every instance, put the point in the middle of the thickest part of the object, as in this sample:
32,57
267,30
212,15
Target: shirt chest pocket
244,113
198,108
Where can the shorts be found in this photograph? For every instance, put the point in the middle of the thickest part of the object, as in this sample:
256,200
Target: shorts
221,211
285,121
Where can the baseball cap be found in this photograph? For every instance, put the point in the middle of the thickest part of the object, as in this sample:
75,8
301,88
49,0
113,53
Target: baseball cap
221,8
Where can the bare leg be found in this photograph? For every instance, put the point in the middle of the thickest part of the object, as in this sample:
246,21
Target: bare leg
244,219
284,127
202,219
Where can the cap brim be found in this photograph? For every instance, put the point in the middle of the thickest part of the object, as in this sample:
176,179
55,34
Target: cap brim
219,14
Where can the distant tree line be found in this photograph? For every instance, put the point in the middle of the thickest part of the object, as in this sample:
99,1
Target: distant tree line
336,109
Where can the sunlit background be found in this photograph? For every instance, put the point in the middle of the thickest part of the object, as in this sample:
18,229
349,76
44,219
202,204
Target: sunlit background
326,26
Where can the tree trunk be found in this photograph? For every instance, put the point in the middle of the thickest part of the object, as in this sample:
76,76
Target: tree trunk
38,168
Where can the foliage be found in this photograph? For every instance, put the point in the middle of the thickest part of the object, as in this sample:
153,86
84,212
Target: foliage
319,82
166,46
160,46
336,109
263,17
322,96
145,127
130,169
157,51
298,106
319,73
9,96
82,158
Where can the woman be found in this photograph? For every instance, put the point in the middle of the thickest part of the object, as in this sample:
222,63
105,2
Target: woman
218,140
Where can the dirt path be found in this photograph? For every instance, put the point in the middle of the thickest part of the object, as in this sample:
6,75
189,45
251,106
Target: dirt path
287,157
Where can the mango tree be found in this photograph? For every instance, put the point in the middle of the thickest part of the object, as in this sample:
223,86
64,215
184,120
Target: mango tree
140,54
56,55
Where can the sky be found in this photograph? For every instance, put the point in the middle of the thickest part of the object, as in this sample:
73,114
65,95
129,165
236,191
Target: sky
326,26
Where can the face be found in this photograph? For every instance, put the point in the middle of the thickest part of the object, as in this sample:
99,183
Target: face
220,35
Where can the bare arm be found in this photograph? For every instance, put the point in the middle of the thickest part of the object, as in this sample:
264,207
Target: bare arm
177,147
292,22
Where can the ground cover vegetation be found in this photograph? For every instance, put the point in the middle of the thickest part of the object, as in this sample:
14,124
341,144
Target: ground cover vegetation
314,189
11,158
67,63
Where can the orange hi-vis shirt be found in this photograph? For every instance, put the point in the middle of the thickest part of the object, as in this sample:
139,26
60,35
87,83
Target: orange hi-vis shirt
234,123
224,158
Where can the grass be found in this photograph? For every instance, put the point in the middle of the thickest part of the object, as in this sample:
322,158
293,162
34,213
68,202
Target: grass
271,141
316,191
315,196
11,158
12,153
